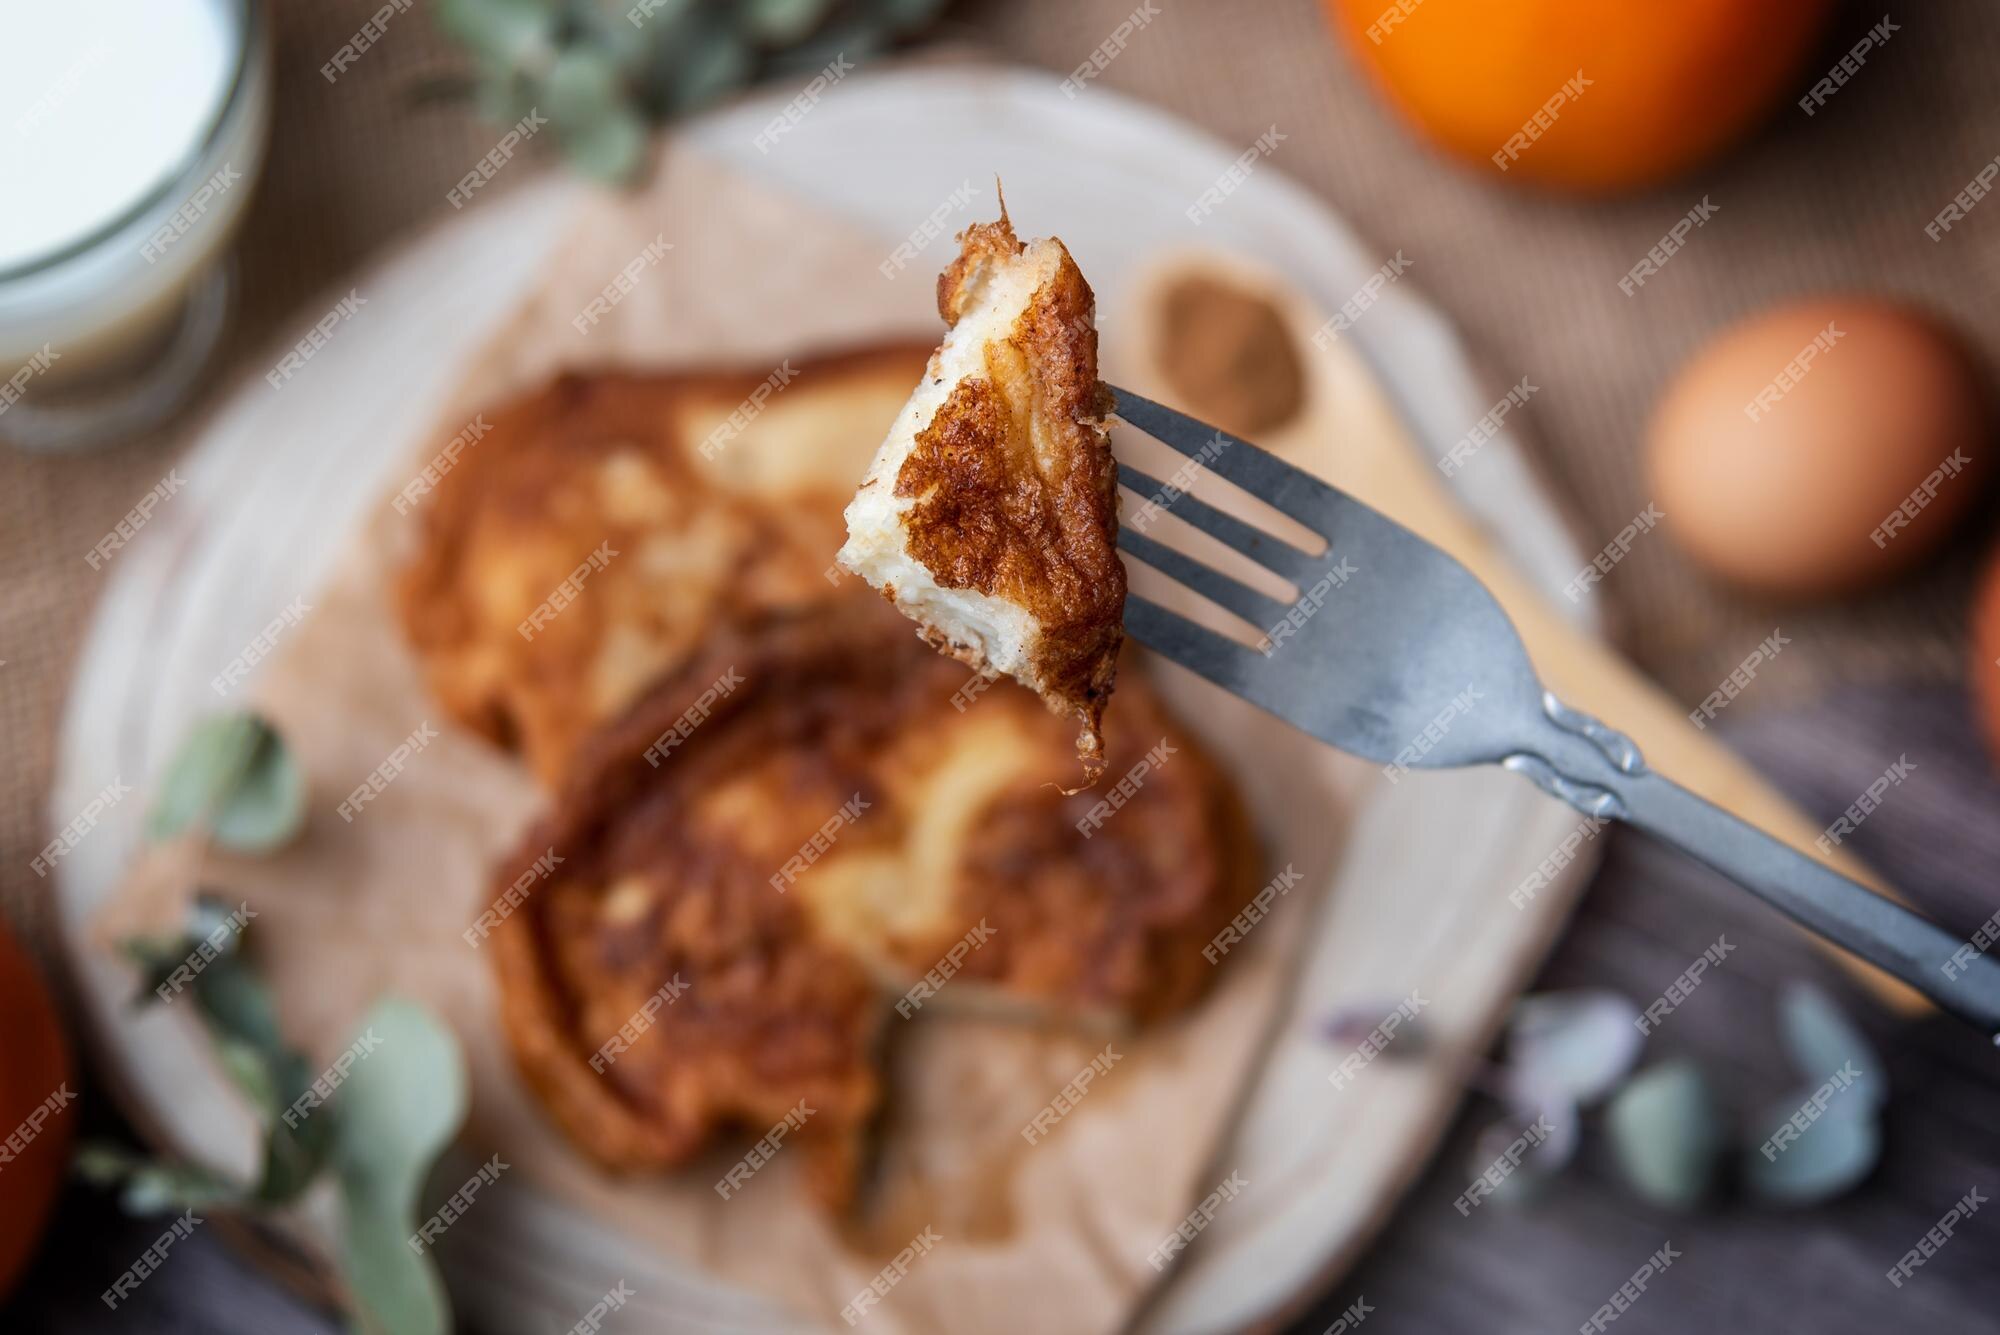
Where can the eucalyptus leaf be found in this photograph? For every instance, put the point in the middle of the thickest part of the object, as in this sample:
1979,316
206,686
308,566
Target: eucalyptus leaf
239,1008
853,40
782,22
621,30
153,1186
398,1110
503,98
1666,1134
901,16
202,773
250,1071
1822,1041
234,778
242,1020
243,1025
582,88
601,69
398,1290
1829,1158
1572,1045
156,958
662,22
707,58
501,34
611,148
402,1103
210,918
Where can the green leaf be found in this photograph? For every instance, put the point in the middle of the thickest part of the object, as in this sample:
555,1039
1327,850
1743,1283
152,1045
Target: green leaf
904,16
153,1186
502,99
239,1008
402,1104
201,773
1822,1041
609,150
398,1109
250,1071
1666,1134
234,778
782,22
661,22
1573,1045
242,1022
501,34
706,58
853,40
1829,1158
398,1291
581,89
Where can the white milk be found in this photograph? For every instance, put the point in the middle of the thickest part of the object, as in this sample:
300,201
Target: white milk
101,103
118,118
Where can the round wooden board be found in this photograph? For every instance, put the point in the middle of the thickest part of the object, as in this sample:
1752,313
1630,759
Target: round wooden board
281,478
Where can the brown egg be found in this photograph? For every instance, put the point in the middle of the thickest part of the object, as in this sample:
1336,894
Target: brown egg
1819,447
1985,669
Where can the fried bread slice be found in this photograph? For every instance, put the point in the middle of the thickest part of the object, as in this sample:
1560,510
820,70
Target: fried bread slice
651,507
810,846
989,515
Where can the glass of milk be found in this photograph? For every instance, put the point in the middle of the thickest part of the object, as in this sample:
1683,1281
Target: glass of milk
131,134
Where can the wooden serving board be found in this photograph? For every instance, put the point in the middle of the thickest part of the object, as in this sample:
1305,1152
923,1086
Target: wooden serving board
281,481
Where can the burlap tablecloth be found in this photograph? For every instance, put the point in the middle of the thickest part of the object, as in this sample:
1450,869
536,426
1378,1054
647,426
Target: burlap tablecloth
1837,200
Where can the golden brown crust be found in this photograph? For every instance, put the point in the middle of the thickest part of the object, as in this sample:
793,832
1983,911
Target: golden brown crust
613,460
670,869
1113,923
1016,485
770,1016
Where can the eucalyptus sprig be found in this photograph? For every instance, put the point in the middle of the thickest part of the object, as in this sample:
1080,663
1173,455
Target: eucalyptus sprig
603,71
377,1133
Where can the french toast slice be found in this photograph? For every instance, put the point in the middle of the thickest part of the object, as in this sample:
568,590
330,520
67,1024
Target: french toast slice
989,515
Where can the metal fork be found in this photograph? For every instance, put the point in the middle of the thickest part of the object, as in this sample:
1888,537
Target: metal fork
1396,653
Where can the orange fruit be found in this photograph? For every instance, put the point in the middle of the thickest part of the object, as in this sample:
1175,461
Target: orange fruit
38,1110
1663,86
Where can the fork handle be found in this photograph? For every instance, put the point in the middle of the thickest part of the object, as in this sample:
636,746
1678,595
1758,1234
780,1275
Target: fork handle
1948,969
1951,971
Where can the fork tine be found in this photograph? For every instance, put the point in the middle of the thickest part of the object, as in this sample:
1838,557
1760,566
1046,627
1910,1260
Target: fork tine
1197,648
1273,553
1259,609
1256,470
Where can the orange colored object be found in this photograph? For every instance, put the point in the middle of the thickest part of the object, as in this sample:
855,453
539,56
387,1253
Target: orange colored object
1662,87
1985,669
38,1110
